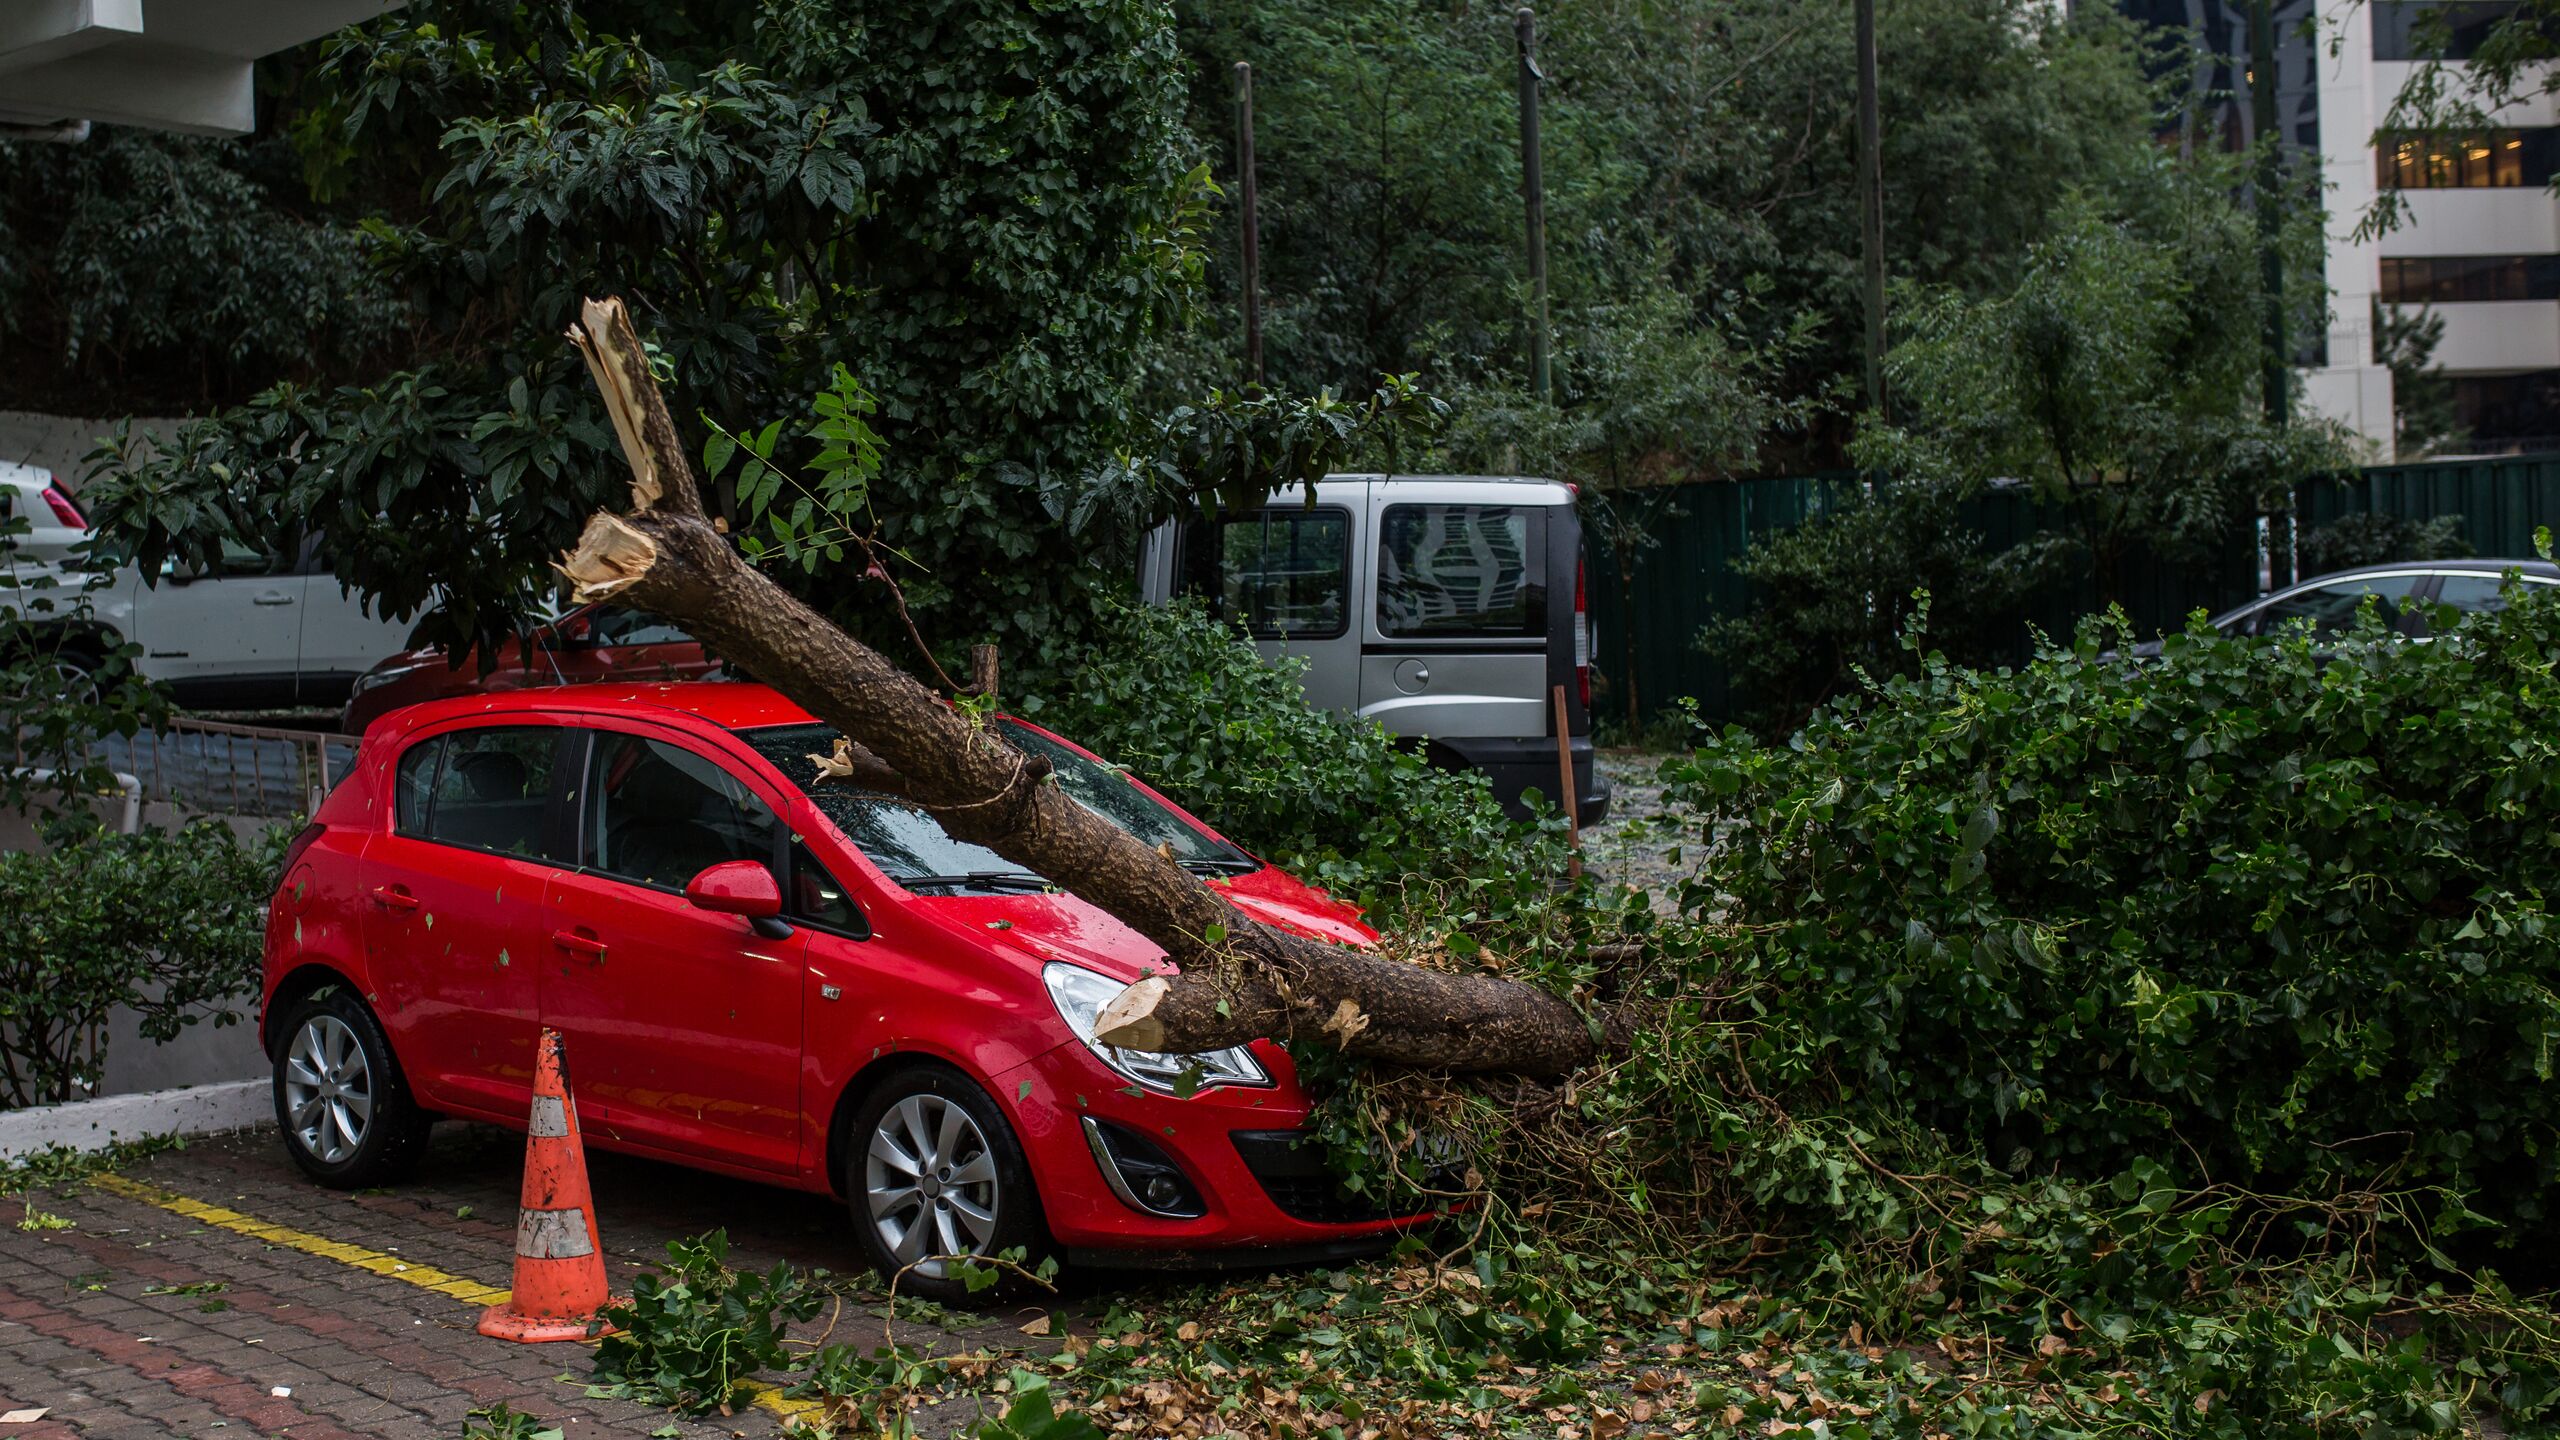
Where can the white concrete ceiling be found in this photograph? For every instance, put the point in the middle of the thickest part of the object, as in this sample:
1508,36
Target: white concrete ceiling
169,64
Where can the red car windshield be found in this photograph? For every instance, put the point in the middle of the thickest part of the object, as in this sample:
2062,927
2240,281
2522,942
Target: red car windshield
910,845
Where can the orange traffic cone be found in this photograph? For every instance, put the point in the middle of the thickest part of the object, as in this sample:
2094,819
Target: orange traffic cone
560,1281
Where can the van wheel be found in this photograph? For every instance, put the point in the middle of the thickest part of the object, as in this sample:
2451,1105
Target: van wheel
933,1172
341,1103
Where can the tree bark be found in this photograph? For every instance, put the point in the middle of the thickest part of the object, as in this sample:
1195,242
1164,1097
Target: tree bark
1230,979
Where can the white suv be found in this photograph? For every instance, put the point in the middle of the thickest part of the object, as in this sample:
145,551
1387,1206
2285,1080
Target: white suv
54,521
253,631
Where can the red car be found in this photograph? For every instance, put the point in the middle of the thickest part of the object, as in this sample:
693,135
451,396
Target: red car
808,985
593,643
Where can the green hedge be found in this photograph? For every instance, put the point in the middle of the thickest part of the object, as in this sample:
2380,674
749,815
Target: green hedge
1190,707
2255,912
167,923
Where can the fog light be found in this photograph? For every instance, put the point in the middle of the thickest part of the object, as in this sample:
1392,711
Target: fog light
1140,1173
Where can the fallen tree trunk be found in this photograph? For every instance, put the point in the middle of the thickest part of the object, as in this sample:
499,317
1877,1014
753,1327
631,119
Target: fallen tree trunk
1238,979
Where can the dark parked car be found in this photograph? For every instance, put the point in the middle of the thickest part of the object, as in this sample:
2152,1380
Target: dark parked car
2401,592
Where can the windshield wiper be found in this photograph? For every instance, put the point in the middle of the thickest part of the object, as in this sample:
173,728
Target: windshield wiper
977,880
1236,866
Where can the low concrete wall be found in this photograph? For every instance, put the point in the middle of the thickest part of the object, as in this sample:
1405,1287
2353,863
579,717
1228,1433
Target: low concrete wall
201,1054
97,1124
59,443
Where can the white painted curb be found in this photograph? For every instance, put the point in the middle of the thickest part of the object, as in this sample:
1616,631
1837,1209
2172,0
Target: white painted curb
97,1124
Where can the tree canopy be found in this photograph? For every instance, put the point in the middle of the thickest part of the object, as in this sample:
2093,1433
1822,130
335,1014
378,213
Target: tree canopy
981,210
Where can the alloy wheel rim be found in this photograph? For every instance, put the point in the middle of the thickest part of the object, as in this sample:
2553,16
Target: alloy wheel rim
328,1090
930,1182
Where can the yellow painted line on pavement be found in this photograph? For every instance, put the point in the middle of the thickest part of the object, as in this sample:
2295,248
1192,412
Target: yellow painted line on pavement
425,1277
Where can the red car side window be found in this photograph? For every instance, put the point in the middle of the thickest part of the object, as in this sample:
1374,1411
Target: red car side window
416,782
483,789
661,814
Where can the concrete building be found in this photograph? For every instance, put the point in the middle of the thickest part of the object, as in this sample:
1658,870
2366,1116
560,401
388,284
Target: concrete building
2477,244
182,65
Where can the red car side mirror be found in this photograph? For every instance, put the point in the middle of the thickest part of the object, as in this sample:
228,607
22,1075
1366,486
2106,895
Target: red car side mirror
736,887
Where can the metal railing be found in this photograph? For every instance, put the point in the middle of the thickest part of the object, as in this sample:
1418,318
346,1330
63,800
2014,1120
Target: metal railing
221,768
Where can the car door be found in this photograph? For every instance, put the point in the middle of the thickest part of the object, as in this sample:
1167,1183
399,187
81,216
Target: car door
2477,590
1288,574
453,889
227,634
341,636
1460,631
683,1025
2330,606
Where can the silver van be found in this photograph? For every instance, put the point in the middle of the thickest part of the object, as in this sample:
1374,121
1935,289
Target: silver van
1445,607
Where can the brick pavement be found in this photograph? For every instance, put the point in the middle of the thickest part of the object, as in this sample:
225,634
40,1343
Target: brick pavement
363,1353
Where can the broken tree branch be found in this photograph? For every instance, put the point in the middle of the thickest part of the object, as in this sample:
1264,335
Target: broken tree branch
1236,979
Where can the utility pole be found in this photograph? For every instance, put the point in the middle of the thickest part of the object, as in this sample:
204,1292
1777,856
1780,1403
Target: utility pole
2267,128
1533,191
1252,226
1871,200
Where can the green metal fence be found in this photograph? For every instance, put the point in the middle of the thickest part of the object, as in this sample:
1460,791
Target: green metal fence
2500,501
1647,623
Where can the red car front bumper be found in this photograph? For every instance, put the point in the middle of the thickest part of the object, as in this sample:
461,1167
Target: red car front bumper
1277,1207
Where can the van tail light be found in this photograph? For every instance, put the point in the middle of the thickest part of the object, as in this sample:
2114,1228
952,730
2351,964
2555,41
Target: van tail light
58,500
293,848
1582,630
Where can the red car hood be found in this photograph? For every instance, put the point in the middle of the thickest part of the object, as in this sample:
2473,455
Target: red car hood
1062,927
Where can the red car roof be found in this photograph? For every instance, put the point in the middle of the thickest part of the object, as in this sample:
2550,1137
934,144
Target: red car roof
728,704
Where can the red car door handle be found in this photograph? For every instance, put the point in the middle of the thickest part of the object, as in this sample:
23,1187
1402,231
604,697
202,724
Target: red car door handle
578,944
394,897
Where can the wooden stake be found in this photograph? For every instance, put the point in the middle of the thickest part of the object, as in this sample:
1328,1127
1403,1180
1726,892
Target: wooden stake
1564,780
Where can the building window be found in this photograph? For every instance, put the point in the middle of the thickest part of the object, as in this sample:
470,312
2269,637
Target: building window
2509,413
2447,279
2431,30
2499,159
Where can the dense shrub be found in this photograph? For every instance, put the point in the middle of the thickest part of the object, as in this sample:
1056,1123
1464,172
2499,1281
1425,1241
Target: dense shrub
166,923
1191,708
2255,913
1831,597
2374,538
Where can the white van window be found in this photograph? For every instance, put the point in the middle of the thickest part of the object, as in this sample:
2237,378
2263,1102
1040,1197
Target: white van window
1283,573
1471,570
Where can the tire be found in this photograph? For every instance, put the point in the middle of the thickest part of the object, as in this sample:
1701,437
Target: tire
76,672
975,1198
343,1107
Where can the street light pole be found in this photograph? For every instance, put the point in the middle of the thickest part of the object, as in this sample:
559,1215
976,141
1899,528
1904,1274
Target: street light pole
1533,191
1252,216
2267,128
1871,200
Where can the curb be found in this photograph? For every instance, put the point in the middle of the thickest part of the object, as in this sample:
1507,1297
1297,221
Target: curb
110,1119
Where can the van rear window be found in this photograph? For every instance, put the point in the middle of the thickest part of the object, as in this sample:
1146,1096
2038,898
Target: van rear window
1462,570
1283,573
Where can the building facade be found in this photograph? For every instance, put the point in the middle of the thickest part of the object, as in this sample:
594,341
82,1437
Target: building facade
2474,251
